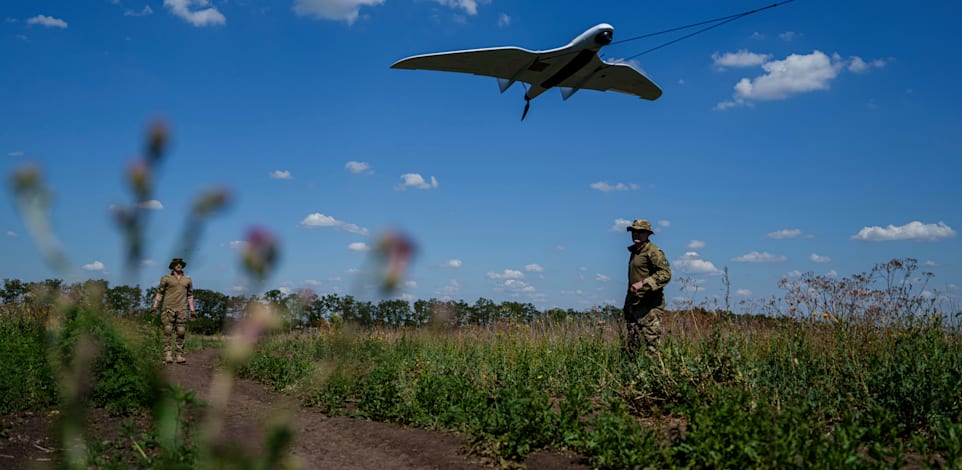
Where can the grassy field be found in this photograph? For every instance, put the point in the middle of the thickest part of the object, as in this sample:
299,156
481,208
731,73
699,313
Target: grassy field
811,389
725,391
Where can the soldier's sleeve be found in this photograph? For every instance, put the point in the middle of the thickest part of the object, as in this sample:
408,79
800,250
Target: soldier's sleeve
190,287
162,287
662,273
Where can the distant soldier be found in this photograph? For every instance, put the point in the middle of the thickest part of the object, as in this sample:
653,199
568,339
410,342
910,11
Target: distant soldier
648,274
177,291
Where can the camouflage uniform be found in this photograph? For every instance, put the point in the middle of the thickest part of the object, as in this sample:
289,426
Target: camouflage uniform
173,312
643,308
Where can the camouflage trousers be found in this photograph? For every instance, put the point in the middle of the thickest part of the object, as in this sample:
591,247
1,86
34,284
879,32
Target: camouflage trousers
175,330
643,322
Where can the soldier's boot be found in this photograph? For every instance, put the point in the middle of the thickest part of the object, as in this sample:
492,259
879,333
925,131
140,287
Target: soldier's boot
168,357
181,359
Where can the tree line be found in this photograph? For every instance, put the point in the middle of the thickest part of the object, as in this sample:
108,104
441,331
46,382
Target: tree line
216,311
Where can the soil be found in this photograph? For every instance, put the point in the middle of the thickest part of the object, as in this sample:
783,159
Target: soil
319,441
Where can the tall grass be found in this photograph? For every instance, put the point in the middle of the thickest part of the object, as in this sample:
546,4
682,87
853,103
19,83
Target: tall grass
725,392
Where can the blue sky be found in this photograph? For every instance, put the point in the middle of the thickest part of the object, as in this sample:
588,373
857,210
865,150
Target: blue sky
804,138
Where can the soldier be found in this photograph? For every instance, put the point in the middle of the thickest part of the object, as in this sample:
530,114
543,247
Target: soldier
177,291
648,274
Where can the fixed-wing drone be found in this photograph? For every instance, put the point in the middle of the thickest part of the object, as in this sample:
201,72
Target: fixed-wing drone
573,67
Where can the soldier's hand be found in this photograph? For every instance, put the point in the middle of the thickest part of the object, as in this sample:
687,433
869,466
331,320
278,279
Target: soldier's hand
638,286
153,310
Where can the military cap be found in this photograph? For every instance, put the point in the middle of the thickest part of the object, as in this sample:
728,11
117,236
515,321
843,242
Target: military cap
640,224
179,261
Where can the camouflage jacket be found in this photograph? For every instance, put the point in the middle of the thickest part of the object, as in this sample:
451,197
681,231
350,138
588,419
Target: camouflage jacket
176,292
648,264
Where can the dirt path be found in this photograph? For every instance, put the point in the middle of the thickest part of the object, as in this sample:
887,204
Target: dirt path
339,442
320,442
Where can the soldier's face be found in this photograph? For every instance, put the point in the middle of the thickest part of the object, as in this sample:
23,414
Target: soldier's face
639,236
178,267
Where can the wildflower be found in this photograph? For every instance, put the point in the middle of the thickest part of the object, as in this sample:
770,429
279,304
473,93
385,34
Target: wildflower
157,138
260,252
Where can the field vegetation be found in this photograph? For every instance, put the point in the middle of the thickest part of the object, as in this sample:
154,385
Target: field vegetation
860,372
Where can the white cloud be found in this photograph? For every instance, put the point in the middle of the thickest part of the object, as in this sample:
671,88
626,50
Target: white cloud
604,187
602,278
504,20
415,180
238,289
928,263
695,245
793,274
562,247
146,11
793,75
620,225
95,266
193,12
572,292
237,244
534,268
912,231
312,282
153,205
358,167
147,263
281,175
832,273
358,246
664,223
787,36
743,292
320,220
692,263
742,58
48,21
16,153
517,286
411,284
756,257
337,10
469,6
11,234
451,263
507,274
450,290
785,233
858,65
819,259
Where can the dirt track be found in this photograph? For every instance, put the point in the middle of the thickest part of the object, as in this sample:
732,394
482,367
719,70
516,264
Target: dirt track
320,442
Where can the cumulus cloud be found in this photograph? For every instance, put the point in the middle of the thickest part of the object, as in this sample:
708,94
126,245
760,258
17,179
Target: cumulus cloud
787,36
47,21
237,244
664,223
506,274
320,220
281,175
147,263
534,268
602,278
153,205
358,167
415,180
743,292
504,20
358,246
742,58
692,263
449,290
785,233
95,266
916,231
16,153
620,225
762,257
858,65
193,12
11,234
604,187
796,74
695,245
927,263
819,259
469,6
451,263
336,10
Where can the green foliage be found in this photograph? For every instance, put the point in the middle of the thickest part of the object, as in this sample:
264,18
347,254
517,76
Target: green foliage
125,368
26,380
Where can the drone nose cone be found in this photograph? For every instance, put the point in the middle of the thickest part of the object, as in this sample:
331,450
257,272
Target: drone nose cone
603,38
